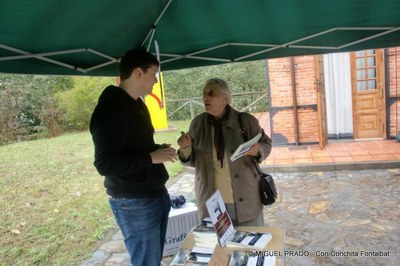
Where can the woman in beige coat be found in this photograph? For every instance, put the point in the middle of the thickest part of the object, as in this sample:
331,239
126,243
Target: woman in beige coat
212,138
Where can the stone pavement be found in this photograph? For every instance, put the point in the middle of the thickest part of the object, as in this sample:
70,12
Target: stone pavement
113,251
346,217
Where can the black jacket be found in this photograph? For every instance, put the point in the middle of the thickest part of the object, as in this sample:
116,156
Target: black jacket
123,139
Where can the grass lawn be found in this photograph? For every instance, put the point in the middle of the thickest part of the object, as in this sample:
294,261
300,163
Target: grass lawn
54,210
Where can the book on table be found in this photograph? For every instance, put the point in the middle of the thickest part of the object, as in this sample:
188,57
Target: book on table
249,239
194,256
226,233
200,254
204,236
244,258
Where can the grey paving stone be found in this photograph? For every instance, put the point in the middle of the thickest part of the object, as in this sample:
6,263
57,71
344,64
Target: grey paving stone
322,212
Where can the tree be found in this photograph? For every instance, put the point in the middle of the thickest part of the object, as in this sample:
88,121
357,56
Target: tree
242,78
76,105
27,104
34,106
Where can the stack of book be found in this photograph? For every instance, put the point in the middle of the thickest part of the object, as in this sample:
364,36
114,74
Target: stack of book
217,232
205,236
203,256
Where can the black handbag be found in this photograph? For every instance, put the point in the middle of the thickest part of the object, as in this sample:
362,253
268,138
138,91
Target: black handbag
268,192
267,189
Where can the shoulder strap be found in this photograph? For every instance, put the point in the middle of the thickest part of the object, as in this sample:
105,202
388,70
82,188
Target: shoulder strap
242,129
245,138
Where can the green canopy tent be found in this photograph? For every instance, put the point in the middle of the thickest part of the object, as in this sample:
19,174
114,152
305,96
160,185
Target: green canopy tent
88,37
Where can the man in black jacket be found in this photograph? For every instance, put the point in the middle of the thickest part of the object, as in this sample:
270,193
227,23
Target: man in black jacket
132,164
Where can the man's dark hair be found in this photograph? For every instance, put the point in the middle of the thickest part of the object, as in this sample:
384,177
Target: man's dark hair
136,58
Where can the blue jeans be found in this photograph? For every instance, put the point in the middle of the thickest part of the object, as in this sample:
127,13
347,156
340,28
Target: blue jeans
143,223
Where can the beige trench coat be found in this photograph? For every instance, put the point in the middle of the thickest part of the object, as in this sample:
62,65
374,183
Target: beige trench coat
244,177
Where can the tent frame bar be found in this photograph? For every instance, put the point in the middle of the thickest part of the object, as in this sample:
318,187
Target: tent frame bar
370,37
154,25
196,54
290,44
44,57
27,56
6,47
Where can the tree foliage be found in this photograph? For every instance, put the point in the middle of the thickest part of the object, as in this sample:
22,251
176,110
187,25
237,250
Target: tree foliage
27,105
241,77
76,105
34,106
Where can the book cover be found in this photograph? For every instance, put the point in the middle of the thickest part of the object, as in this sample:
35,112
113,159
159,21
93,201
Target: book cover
220,218
244,147
252,239
226,233
199,255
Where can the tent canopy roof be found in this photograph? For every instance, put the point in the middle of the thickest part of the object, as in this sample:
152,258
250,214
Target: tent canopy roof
88,37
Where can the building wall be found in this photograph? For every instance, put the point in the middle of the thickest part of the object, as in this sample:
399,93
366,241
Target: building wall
281,101
393,96
338,97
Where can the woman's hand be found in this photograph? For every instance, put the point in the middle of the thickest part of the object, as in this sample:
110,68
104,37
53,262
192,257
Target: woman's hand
184,141
253,151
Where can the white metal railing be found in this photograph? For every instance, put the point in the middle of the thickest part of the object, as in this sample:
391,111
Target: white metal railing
198,101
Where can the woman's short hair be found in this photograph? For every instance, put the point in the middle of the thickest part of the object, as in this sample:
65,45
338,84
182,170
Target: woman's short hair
222,87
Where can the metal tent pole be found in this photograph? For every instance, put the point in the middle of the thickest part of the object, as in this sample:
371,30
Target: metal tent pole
153,27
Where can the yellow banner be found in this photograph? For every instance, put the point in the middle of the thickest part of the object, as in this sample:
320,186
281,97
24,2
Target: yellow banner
156,104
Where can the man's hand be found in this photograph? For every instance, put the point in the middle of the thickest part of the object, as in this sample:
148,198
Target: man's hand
184,140
164,154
